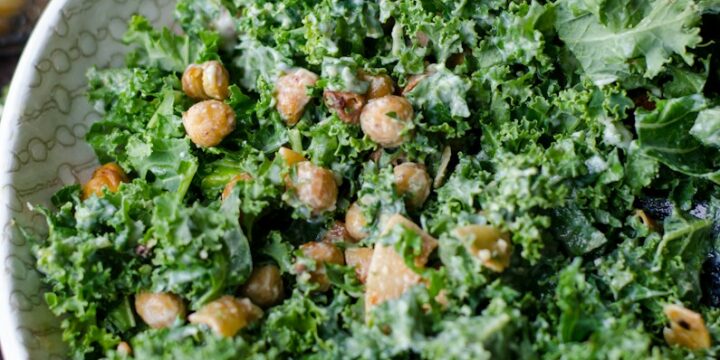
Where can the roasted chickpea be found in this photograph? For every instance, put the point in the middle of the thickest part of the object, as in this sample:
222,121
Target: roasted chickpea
209,122
227,315
380,85
315,187
492,247
231,184
386,120
355,222
346,105
359,258
159,310
687,328
322,253
108,176
209,80
412,181
291,94
265,286
192,82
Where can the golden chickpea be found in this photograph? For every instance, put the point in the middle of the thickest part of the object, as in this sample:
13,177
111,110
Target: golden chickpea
385,120
315,187
380,85
291,94
687,328
216,80
322,253
290,157
492,247
231,184
108,176
265,286
227,315
346,105
355,222
209,80
209,122
159,310
359,258
412,181
192,82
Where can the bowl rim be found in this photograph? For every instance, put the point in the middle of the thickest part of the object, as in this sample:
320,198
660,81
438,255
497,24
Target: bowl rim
11,340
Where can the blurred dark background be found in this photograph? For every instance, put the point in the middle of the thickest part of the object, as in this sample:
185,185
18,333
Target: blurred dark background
17,18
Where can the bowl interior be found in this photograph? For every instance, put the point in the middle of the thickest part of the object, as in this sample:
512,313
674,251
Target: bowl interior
42,148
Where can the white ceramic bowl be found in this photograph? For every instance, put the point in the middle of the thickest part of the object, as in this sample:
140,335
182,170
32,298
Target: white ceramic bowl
42,148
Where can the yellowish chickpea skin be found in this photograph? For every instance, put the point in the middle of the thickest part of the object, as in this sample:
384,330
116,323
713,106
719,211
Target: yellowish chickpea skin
227,315
108,176
315,187
386,120
322,253
209,80
412,181
380,85
208,122
291,94
355,222
159,310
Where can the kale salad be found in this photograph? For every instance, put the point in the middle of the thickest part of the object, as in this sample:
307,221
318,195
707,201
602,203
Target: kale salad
399,179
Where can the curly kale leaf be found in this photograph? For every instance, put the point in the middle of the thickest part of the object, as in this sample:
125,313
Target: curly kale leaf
90,263
188,342
340,27
442,97
165,50
666,134
199,252
606,54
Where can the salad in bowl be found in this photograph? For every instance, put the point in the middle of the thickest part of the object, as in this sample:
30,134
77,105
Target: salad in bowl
398,179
